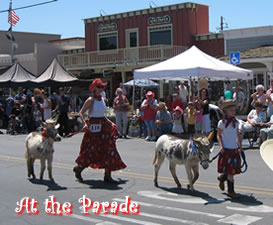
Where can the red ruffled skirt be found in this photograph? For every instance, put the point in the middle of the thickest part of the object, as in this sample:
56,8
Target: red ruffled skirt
98,149
229,162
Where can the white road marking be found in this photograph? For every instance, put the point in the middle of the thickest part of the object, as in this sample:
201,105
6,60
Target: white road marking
86,218
186,199
238,219
258,208
131,220
108,223
172,219
173,208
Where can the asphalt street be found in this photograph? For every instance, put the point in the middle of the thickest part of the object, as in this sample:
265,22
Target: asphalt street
164,205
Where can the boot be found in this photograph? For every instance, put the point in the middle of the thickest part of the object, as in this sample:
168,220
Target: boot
77,170
231,192
222,178
108,178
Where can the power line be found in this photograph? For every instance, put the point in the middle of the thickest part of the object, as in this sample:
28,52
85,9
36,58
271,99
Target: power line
29,6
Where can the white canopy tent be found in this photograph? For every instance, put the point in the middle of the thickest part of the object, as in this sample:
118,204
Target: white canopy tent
192,64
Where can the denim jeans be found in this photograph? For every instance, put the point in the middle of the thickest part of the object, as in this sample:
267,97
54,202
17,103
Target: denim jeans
142,130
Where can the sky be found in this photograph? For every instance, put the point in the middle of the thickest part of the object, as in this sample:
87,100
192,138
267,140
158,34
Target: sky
65,17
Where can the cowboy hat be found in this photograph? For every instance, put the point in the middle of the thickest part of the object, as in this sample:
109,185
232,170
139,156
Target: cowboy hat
266,151
150,93
177,108
227,104
96,82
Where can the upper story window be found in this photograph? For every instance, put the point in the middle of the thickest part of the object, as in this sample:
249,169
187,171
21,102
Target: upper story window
108,41
160,35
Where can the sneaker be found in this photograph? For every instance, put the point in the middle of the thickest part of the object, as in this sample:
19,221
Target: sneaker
148,138
153,138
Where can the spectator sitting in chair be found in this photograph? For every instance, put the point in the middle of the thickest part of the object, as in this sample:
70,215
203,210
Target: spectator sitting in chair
255,119
163,119
267,133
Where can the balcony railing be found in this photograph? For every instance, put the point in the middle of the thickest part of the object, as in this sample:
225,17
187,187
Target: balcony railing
123,56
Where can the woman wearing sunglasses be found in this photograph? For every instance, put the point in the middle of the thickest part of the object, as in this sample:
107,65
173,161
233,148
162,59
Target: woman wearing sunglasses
98,148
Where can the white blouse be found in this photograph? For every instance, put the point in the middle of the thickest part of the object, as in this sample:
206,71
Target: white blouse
230,134
98,110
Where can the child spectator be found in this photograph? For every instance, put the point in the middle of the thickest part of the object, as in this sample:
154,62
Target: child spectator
37,116
198,117
142,126
163,119
190,112
177,124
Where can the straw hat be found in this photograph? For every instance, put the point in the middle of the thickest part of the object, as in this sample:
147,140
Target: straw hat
162,105
266,151
227,104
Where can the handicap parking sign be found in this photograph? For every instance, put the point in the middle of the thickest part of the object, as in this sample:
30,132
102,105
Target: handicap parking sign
235,58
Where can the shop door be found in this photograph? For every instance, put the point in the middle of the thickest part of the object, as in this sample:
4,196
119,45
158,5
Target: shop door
132,45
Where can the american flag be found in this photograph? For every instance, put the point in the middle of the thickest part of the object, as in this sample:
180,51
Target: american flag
13,18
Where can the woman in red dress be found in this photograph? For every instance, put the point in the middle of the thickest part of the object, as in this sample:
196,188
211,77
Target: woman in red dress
98,148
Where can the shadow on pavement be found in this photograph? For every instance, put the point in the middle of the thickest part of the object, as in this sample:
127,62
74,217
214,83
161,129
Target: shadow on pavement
205,196
100,184
52,186
248,200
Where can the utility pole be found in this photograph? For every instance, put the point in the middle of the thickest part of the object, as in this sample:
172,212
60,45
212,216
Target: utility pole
12,43
223,24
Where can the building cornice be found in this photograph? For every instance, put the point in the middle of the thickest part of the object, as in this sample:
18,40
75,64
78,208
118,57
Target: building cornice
186,5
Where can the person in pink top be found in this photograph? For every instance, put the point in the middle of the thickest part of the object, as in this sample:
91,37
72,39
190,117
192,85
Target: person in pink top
149,107
198,117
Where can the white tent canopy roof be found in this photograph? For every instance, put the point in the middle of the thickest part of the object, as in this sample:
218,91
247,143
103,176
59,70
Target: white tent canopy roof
193,63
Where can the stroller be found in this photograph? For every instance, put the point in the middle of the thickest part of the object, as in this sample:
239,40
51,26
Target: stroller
15,125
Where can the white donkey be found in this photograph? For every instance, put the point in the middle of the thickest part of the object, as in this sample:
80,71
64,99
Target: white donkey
187,152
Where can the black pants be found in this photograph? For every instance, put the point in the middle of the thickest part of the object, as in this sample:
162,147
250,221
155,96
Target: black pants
191,128
63,121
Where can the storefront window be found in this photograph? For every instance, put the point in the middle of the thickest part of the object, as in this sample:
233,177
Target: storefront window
161,35
108,41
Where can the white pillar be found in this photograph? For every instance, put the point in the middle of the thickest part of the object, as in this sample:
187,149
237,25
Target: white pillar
123,76
161,89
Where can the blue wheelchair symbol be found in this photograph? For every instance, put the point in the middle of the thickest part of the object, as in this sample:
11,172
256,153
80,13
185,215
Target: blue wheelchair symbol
235,58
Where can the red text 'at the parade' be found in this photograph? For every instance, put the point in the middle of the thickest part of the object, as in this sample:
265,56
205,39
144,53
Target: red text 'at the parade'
87,207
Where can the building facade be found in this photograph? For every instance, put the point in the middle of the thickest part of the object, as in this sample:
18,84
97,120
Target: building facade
117,44
33,50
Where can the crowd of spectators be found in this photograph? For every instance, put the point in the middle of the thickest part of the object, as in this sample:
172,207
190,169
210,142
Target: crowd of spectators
24,111
177,114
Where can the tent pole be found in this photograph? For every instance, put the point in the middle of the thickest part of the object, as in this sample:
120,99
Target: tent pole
133,102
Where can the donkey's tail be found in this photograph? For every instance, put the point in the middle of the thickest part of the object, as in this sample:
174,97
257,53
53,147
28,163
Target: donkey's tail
155,157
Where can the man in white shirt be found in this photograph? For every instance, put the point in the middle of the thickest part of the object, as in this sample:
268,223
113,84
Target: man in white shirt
183,92
239,97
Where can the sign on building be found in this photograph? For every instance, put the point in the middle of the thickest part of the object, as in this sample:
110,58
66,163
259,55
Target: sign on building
235,58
